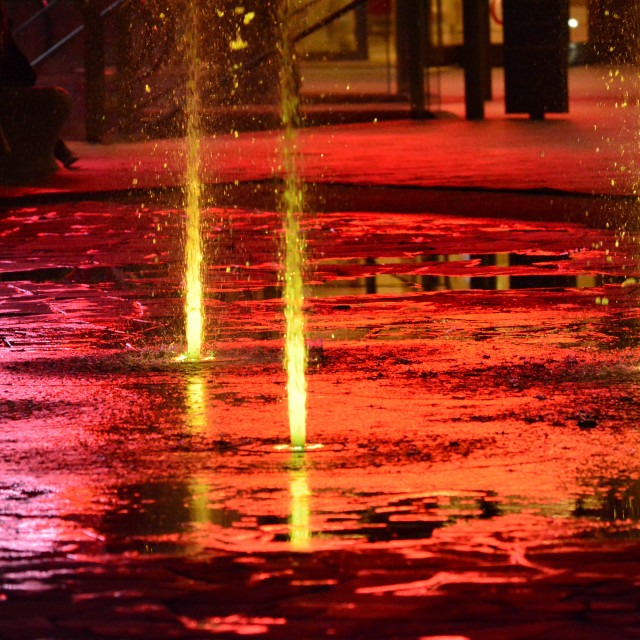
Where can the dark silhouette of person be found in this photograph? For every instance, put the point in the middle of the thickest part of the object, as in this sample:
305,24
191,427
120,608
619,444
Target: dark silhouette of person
16,72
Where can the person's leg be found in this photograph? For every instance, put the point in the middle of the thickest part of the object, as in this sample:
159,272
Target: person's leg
5,149
63,154
31,120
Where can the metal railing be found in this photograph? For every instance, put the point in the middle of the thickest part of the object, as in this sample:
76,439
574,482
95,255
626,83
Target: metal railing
41,13
93,26
70,36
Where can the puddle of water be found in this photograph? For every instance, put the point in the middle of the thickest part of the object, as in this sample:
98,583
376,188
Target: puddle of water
429,359
243,245
286,511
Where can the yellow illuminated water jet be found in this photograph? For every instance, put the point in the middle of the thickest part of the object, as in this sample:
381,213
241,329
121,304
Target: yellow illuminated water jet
292,205
193,188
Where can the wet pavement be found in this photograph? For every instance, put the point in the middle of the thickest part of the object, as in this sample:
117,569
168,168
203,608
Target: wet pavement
590,150
473,357
472,382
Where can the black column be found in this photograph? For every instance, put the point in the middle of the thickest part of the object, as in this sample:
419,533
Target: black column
477,71
536,42
411,48
361,14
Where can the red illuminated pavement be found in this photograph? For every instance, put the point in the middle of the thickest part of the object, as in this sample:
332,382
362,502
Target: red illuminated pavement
593,149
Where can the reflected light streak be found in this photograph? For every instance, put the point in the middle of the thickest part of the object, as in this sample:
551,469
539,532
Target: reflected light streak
299,508
196,405
199,505
503,282
196,418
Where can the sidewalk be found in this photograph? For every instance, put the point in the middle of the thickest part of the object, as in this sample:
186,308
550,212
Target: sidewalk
591,150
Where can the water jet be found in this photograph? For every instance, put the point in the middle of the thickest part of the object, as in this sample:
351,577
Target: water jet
194,320
294,249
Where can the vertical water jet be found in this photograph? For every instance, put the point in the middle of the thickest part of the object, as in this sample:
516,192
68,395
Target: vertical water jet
193,241
294,250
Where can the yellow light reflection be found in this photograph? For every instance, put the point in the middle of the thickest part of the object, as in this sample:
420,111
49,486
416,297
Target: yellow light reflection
300,499
503,282
197,423
199,504
195,399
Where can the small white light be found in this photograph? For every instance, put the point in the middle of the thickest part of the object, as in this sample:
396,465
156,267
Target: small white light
573,23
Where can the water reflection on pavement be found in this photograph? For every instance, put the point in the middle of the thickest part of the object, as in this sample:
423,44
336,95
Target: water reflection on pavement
473,384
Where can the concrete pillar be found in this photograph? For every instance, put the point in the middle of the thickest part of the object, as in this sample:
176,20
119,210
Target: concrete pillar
361,31
477,70
411,49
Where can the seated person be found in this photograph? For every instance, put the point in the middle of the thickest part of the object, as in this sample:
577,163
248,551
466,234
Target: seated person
30,118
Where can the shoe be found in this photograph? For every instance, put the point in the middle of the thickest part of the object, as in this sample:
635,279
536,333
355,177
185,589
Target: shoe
5,149
63,154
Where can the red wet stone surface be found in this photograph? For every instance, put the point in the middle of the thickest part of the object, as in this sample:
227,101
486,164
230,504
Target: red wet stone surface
473,382
591,150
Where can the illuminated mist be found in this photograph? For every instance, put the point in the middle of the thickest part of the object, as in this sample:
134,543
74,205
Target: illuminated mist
193,188
292,205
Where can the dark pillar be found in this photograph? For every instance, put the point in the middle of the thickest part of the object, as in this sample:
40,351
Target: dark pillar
93,71
477,72
485,35
403,22
536,43
411,48
362,30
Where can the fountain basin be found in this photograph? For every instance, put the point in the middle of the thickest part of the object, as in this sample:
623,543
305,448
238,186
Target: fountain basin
472,380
